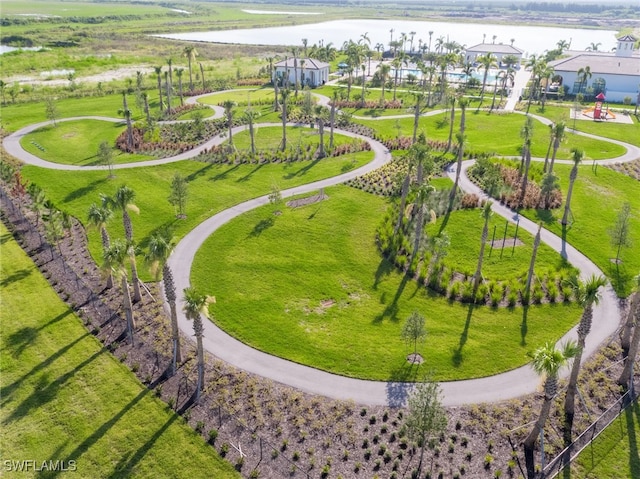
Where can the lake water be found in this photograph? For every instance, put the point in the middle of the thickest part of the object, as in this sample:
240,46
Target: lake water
527,38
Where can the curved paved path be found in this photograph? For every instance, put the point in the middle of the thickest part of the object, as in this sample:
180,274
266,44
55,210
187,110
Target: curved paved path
507,385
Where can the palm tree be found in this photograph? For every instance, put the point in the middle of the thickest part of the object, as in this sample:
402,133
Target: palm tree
430,35
486,214
416,115
99,216
321,117
452,102
587,295
384,69
576,156
204,84
127,116
549,184
191,53
487,62
527,134
332,118
294,50
158,71
284,95
228,113
179,72
195,306
558,136
546,361
593,47
422,194
250,115
460,137
536,245
123,201
397,63
115,259
582,77
167,85
160,248
631,344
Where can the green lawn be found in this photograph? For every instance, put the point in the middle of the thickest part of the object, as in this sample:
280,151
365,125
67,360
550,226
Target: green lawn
65,398
614,454
211,188
598,196
77,142
309,285
481,131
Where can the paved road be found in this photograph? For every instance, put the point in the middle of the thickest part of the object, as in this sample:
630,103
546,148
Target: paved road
499,387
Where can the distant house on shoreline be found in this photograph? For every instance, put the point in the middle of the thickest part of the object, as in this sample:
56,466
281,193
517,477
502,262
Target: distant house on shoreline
616,74
307,72
499,50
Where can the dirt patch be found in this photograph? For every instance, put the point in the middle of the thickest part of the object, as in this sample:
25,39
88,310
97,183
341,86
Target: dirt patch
415,358
327,303
508,243
309,200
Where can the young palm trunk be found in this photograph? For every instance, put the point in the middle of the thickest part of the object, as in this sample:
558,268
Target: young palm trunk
546,157
321,131
106,243
252,136
550,389
556,145
625,377
128,231
198,329
536,244
570,398
333,119
160,91
128,310
525,175
416,119
451,120
567,206
625,335
170,293
403,201
485,234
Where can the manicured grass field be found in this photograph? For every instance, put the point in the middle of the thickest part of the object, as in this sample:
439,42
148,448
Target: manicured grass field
614,454
77,142
481,131
598,196
65,398
309,285
211,188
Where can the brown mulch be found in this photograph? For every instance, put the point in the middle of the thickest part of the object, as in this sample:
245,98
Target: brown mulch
309,200
283,432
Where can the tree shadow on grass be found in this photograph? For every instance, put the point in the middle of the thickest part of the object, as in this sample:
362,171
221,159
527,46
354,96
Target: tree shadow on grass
261,226
546,216
391,311
302,171
15,277
45,391
632,416
385,267
621,278
127,464
248,176
85,190
85,445
457,358
5,238
223,174
200,172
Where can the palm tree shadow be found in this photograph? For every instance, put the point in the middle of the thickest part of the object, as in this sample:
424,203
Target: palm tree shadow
248,176
198,173
391,311
262,226
85,190
302,171
223,174
384,268
457,358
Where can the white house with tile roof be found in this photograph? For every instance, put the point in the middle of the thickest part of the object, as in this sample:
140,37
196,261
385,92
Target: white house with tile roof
499,50
615,74
309,72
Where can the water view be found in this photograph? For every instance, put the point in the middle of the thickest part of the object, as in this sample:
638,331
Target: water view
530,39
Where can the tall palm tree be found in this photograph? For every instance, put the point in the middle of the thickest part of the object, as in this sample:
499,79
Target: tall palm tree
99,216
115,259
486,214
416,114
332,118
527,134
160,248
123,202
127,116
284,95
632,343
422,194
294,50
158,71
321,117
487,62
547,361
228,113
558,136
460,137
582,77
452,102
250,115
195,306
167,85
179,72
587,295
397,63
576,156
191,53
384,69
548,185
536,245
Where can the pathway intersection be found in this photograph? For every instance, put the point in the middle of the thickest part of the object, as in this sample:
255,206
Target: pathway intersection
499,387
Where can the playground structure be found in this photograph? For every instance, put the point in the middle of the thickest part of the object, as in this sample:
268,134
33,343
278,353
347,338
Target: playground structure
600,111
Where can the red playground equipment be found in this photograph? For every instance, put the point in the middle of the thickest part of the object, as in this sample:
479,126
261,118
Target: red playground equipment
600,110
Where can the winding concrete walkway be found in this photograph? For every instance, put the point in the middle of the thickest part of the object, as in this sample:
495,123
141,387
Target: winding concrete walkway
503,386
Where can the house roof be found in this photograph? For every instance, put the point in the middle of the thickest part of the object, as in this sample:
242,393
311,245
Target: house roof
599,63
309,63
495,48
627,38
